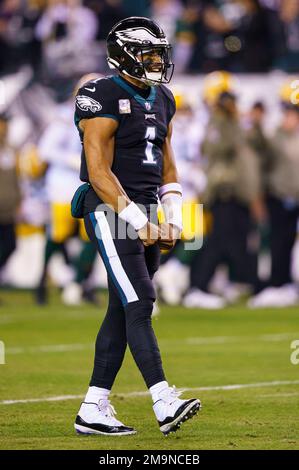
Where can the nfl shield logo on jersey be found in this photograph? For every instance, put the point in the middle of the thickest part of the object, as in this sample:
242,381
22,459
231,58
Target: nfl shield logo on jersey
124,106
148,106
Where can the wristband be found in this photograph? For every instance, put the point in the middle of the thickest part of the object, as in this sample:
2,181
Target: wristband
134,216
170,187
172,206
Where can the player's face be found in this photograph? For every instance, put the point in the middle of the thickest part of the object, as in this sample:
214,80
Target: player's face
152,60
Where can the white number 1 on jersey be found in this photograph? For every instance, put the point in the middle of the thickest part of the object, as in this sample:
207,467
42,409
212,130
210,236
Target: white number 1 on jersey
150,135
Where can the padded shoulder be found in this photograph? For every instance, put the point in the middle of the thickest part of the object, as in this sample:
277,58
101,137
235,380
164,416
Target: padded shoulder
97,98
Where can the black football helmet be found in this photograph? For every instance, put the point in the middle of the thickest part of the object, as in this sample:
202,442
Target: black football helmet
138,47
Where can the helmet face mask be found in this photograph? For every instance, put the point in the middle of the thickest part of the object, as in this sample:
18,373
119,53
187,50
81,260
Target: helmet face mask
138,48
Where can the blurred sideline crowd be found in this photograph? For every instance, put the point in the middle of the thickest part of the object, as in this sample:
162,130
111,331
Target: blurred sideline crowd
243,171
235,141
246,176
62,39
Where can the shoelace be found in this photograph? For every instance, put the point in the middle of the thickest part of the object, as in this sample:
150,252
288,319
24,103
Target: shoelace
106,407
172,394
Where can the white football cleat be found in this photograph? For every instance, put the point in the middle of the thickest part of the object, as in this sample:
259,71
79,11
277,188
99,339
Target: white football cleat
99,418
284,296
72,294
233,292
171,411
172,280
196,298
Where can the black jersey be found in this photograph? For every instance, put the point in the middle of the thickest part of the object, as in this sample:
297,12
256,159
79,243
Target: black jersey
141,132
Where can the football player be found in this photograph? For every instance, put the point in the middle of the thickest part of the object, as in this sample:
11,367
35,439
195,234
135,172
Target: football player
124,123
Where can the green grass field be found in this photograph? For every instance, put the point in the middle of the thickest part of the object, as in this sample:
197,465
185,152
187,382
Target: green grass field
49,353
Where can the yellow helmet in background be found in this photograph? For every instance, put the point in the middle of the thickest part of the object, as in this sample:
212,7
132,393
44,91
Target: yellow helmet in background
29,163
215,84
289,92
180,97
181,100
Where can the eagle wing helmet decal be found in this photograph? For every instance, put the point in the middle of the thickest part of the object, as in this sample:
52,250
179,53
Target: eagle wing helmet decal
139,35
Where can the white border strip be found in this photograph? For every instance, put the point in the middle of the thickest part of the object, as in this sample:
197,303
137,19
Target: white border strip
145,393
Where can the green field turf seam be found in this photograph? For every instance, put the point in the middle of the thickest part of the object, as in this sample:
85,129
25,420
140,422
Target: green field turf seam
54,348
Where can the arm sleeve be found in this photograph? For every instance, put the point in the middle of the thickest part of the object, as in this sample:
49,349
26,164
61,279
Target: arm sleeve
95,99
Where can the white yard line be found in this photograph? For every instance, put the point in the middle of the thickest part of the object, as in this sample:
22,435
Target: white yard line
145,393
236,339
279,336
7,318
49,348
53,348
278,395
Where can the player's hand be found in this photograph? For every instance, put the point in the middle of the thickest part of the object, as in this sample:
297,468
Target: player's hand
149,234
169,234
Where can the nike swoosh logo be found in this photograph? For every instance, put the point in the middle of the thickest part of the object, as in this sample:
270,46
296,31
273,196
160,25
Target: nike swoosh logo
91,89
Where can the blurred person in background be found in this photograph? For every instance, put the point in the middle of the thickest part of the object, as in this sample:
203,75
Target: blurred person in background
59,38
67,30
167,12
233,31
257,138
31,172
108,12
190,38
262,146
233,187
10,195
18,43
172,279
27,45
60,148
284,27
136,7
283,208
8,11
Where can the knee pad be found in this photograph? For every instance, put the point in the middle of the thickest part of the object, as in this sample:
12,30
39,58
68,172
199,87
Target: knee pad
142,340
139,312
145,290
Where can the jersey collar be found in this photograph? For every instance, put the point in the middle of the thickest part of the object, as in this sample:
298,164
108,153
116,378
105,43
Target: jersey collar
147,103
